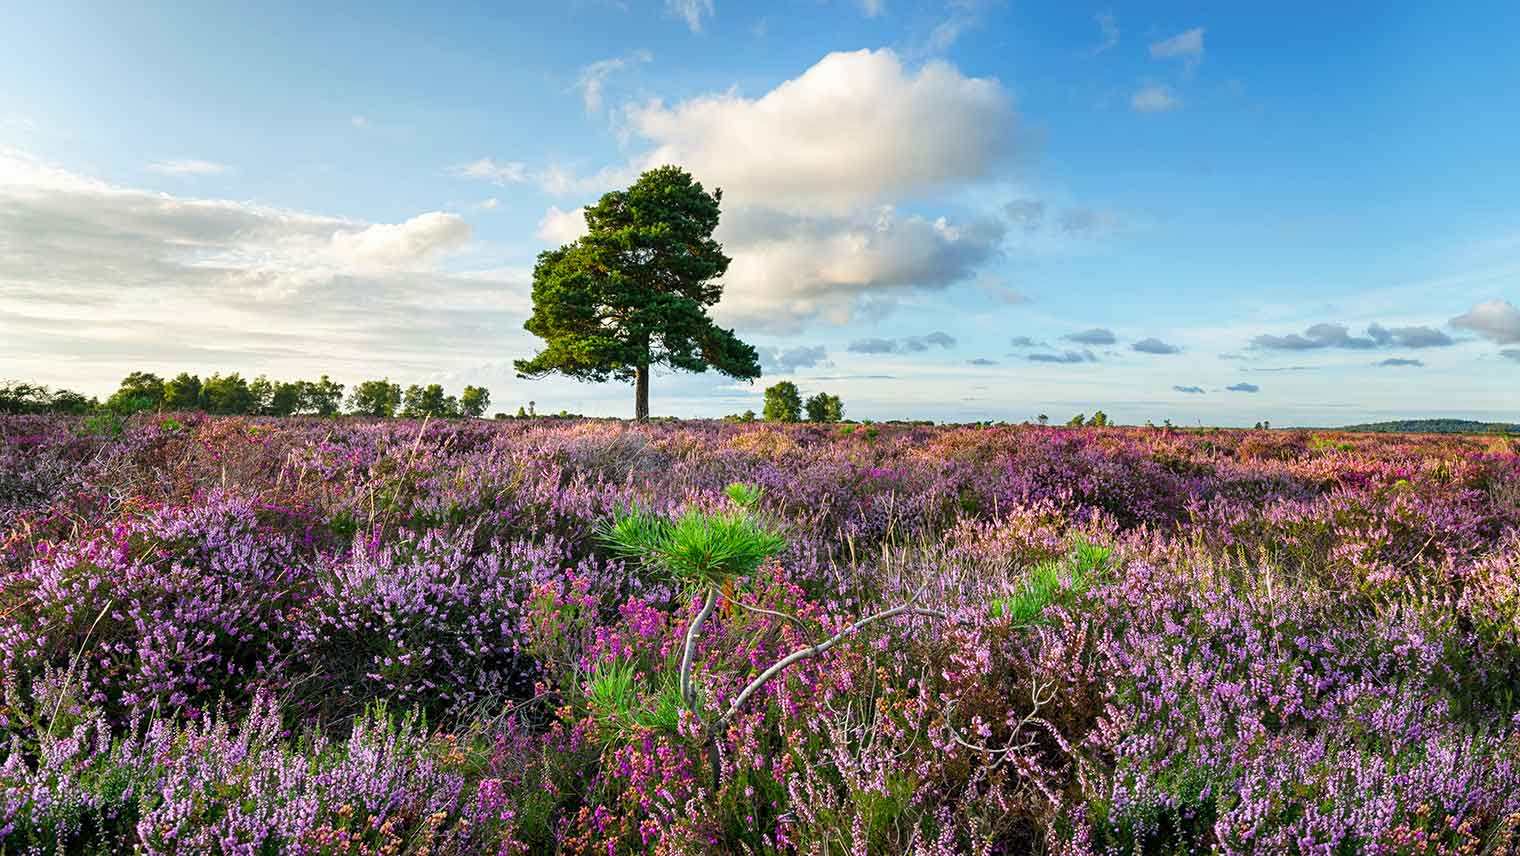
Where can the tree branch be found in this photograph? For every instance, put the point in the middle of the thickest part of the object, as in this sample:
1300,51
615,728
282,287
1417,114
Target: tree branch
689,653
776,668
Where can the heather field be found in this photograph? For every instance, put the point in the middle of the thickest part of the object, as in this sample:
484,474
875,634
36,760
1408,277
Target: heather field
588,637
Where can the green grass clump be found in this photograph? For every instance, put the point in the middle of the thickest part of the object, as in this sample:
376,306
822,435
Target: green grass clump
699,547
1086,565
622,706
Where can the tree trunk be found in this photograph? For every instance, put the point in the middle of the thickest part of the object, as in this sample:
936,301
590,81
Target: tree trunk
641,395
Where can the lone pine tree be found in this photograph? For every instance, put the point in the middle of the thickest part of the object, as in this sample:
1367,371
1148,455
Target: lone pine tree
634,292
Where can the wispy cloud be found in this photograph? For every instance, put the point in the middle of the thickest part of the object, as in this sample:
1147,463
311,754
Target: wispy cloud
1109,27
486,169
1321,336
1392,362
1028,214
1186,46
593,77
1243,387
789,360
1154,98
188,167
1070,357
1084,221
691,11
1190,390
1152,345
1093,336
905,345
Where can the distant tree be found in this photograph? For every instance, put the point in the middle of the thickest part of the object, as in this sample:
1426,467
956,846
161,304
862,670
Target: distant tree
21,397
474,401
825,408
428,401
1099,419
69,401
634,292
1043,419
324,397
227,395
286,398
261,391
378,398
183,392
1077,421
522,412
1256,427
783,403
138,391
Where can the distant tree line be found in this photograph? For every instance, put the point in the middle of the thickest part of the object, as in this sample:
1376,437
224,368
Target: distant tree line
232,394
22,397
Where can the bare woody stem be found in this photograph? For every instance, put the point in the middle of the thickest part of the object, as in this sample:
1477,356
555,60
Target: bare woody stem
689,653
776,668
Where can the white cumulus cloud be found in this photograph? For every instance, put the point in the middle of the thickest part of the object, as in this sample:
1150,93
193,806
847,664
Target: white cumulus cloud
1496,320
854,128
562,227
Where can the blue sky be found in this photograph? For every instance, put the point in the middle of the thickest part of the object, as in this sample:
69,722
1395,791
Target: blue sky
964,210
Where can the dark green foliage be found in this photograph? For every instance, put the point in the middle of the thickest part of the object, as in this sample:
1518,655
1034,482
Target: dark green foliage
825,408
286,398
325,397
22,397
783,403
69,401
138,391
261,390
1435,426
183,392
227,395
430,400
474,401
634,292
378,398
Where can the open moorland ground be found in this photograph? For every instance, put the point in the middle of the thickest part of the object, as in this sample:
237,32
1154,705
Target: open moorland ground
543,636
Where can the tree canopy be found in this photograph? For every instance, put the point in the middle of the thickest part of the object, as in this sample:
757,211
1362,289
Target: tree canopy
825,408
634,292
783,403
